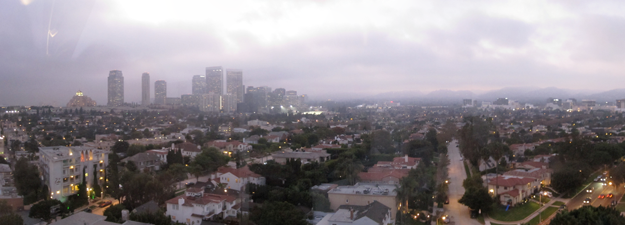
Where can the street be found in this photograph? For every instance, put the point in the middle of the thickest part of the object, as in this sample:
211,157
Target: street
578,201
459,213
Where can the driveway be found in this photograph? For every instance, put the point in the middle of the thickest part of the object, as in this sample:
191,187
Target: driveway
459,213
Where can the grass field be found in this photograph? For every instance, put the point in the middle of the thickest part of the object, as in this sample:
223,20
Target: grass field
514,213
558,203
543,215
466,169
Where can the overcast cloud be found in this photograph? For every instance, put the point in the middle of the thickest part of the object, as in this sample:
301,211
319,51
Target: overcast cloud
49,50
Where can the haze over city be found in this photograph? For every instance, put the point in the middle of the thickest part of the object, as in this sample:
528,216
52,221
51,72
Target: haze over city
327,49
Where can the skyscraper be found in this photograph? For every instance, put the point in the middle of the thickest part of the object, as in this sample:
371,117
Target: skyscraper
198,85
160,92
214,80
234,84
115,88
145,89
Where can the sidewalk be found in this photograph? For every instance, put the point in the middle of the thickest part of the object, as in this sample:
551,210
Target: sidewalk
488,220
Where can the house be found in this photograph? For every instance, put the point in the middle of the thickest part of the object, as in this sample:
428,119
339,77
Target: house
272,138
237,179
543,175
487,164
374,213
229,147
251,140
189,149
512,189
161,153
193,207
382,175
532,165
303,155
519,149
145,161
400,163
257,123
362,194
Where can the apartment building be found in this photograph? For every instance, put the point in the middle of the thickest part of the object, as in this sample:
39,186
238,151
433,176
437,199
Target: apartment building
64,168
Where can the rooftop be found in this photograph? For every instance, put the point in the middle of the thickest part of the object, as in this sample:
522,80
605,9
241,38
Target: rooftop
366,189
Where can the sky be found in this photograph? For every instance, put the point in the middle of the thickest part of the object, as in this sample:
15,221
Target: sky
326,49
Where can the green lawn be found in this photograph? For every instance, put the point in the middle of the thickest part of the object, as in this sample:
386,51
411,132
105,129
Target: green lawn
514,213
544,214
466,169
544,199
558,203
620,207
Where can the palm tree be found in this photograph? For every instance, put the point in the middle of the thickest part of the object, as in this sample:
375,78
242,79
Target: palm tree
405,190
350,169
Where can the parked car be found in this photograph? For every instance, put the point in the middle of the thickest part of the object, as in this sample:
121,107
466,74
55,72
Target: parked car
587,201
104,204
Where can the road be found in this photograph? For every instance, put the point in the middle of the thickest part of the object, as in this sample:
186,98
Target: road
459,213
599,188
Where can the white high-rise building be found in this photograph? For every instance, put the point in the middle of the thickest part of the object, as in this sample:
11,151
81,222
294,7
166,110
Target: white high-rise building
115,88
64,168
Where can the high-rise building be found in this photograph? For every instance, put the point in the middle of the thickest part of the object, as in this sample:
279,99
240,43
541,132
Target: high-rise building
214,80
234,84
79,100
145,89
190,100
210,102
115,88
160,92
198,85
228,103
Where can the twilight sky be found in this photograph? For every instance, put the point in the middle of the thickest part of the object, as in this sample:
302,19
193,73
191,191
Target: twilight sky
50,49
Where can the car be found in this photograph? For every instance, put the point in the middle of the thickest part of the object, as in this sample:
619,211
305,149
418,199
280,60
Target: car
587,201
601,196
447,200
87,210
598,178
589,190
610,195
104,204
445,219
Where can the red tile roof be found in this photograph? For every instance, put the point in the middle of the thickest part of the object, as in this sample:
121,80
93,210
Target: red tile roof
240,172
188,147
510,181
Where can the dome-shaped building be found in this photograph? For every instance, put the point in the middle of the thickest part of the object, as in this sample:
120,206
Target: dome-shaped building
79,100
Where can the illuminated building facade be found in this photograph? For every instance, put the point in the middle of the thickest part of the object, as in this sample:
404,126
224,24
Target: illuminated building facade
79,100
234,82
115,88
198,85
214,80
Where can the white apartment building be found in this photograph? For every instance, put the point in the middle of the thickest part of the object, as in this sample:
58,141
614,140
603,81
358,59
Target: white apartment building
62,168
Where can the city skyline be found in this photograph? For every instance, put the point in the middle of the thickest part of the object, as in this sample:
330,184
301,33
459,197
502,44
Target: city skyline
376,48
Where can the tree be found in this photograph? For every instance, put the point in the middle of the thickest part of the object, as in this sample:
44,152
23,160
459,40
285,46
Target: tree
405,191
589,215
477,199
12,219
114,213
381,142
278,213
178,172
131,166
430,136
320,202
566,179
134,149
27,180
120,147
5,208
349,169
42,210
